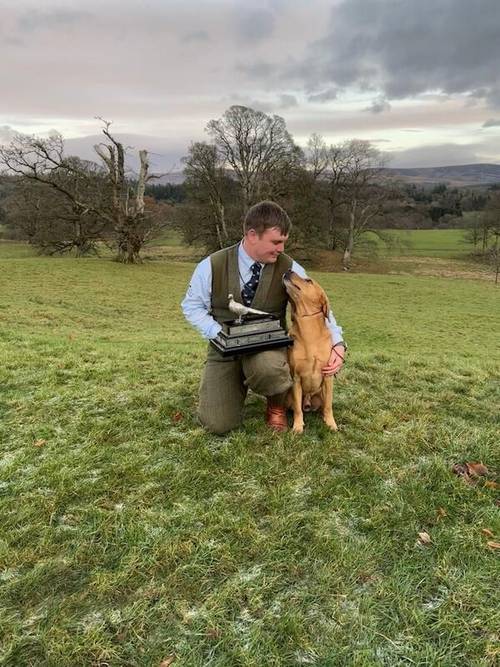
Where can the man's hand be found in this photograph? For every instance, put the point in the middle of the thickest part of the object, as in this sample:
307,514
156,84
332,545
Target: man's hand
335,362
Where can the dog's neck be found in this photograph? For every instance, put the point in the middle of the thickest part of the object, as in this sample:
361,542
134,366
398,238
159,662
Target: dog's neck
302,312
314,320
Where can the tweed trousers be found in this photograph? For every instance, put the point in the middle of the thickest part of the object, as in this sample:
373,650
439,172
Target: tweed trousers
225,383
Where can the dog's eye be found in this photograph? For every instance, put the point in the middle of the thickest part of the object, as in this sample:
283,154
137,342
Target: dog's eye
308,280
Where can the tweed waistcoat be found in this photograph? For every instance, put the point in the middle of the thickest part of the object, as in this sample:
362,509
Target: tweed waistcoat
270,296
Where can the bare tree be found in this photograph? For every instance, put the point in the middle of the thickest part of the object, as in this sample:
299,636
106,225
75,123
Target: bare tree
316,156
131,224
206,181
254,146
490,218
493,252
356,192
102,195
77,187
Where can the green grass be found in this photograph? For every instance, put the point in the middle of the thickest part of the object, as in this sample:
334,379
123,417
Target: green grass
15,250
129,534
426,243
167,238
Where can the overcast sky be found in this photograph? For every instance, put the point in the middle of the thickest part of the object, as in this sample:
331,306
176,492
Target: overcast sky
421,79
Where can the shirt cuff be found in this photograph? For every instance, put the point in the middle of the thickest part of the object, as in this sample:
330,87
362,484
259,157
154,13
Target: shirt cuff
214,330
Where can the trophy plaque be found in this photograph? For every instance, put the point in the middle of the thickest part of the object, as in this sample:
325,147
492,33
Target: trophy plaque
250,334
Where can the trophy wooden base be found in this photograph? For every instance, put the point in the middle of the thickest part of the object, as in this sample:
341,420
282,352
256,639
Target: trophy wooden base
253,334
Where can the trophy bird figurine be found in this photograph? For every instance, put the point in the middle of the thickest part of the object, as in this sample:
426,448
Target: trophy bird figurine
241,310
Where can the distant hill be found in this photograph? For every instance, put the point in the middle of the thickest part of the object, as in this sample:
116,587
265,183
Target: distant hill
174,177
457,175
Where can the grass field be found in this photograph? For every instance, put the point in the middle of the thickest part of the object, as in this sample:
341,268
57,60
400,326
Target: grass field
427,243
129,536
414,242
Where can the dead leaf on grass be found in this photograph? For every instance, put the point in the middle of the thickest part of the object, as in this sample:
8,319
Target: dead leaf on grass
470,471
168,661
441,513
493,545
487,532
213,633
424,538
476,469
177,417
40,442
462,472
490,484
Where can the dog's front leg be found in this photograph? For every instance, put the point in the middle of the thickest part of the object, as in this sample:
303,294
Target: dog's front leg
298,415
327,394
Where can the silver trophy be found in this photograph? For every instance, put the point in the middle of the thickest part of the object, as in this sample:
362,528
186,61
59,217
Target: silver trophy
252,331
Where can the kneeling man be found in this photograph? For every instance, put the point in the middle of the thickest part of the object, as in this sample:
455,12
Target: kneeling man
254,269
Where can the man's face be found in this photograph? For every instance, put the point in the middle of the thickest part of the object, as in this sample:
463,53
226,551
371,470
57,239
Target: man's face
267,247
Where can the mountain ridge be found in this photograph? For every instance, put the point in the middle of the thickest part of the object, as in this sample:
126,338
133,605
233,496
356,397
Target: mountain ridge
483,173
453,175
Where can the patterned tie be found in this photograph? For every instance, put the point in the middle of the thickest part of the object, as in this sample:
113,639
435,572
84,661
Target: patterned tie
249,288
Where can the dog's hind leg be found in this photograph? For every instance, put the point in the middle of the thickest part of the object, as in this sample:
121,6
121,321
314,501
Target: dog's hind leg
327,395
298,415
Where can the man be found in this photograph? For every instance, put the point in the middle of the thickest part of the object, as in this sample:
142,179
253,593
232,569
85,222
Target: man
253,269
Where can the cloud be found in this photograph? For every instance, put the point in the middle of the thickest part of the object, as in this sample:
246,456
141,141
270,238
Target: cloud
36,19
164,156
254,25
491,122
197,36
378,105
449,154
324,96
403,49
287,101
284,101
257,70
7,133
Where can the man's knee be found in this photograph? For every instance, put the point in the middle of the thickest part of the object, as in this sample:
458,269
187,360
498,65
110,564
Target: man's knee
218,424
267,373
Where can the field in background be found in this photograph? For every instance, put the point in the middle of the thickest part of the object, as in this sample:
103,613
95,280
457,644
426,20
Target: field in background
439,243
415,242
426,243
130,536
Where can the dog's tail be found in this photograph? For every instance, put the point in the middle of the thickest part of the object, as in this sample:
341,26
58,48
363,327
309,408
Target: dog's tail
306,403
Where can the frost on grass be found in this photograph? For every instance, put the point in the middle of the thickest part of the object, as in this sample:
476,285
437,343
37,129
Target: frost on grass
437,600
7,459
305,657
249,575
334,523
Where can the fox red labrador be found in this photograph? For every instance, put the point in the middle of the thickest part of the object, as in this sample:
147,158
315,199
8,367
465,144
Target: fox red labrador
310,350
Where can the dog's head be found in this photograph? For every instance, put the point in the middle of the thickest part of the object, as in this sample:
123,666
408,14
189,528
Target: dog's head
306,295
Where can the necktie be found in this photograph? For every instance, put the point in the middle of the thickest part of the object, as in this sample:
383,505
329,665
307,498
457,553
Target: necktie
249,288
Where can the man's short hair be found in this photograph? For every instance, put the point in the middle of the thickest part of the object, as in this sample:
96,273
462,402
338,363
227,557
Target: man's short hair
266,215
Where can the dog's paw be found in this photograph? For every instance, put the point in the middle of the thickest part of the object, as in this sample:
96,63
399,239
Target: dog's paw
298,428
332,425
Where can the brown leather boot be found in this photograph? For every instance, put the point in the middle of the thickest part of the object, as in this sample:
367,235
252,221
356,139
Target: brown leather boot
276,417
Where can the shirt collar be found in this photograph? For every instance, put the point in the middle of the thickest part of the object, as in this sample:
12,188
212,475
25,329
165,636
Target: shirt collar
245,259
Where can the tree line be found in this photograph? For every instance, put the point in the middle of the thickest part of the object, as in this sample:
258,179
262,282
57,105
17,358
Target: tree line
338,196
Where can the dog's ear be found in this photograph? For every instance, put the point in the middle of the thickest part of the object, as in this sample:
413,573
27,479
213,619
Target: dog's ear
325,305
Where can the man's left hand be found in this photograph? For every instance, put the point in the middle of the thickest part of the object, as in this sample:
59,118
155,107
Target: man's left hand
335,362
